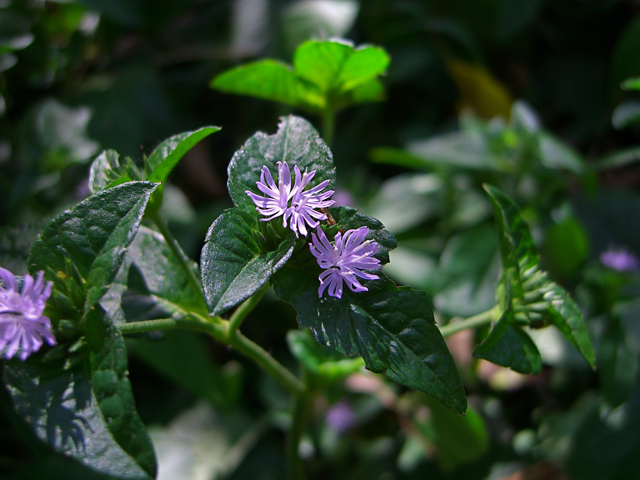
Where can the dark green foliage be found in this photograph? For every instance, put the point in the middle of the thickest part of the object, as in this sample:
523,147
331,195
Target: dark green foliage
234,263
82,406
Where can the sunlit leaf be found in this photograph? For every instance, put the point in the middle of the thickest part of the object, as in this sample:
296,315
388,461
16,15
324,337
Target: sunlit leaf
327,75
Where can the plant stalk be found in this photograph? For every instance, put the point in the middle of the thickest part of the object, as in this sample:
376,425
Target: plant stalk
328,126
478,320
218,329
259,355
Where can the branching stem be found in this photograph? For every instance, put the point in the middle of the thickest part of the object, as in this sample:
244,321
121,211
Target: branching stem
218,328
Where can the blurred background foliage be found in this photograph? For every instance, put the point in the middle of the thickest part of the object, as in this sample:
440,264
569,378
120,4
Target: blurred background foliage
524,94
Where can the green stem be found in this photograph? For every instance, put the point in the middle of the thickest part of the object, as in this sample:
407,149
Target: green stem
243,310
148,325
328,126
174,246
218,329
256,353
478,320
301,407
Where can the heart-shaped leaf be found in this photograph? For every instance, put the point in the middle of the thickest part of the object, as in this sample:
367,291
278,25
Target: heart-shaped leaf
296,143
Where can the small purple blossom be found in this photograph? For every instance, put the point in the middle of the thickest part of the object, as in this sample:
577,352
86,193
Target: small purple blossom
344,260
22,325
341,417
620,259
302,209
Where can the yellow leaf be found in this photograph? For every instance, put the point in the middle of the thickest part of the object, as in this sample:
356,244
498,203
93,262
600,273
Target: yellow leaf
479,90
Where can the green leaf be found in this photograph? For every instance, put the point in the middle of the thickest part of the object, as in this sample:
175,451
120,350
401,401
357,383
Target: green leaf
539,300
269,80
166,156
327,75
234,264
619,158
84,407
155,289
112,389
363,65
510,346
460,439
348,218
62,410
469,150
555,154
296,143
336,66
391,327
321,360
107,171
566,246
94,236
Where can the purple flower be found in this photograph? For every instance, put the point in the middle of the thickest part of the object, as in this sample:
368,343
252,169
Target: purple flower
302,209
341,417
620,259
344,260
22,325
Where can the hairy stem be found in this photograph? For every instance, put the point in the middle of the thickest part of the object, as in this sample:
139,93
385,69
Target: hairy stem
478,320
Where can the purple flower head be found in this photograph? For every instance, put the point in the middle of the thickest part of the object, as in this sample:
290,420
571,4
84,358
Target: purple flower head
344,260
302,209
620,259
22,325
341,417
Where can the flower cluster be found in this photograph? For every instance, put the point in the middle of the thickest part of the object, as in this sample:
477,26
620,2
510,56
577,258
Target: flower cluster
22,325
295,204
344,260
